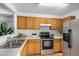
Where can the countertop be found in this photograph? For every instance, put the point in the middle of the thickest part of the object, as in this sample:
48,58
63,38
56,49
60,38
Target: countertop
58,37
9,52
16,51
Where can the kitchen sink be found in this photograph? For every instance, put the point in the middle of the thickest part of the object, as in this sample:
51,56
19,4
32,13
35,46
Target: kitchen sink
13,44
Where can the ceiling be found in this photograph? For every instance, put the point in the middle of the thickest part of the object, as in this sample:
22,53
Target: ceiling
2,6
35,8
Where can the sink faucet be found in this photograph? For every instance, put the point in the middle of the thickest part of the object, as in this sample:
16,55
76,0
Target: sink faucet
10,44
8,39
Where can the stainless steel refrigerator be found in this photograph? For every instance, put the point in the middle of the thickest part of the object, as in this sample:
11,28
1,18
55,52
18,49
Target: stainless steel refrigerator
71,43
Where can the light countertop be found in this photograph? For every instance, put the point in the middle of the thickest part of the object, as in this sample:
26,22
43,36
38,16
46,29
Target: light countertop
9,52
58,37
16,51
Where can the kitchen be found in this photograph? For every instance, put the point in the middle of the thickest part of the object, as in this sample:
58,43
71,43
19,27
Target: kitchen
35,32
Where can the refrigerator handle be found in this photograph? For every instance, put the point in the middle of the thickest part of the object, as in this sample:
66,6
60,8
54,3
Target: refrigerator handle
69,38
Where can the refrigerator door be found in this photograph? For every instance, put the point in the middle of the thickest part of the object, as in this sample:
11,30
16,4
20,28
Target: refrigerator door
67,50
74,25
75,38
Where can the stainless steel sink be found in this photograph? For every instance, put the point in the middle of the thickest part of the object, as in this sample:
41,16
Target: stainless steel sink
13,44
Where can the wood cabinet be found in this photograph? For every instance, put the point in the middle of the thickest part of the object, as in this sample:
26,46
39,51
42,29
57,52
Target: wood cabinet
30,46
69,18
33,23
33,47
24,50
45,20
21,22
37,50
36,23
58,45
49,20
54,22
57,24
29,23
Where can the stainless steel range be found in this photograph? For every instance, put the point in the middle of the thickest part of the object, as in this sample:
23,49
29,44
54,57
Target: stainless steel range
46,43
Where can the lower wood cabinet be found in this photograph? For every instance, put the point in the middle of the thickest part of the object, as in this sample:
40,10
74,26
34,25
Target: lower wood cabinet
31,48
24,50
34,47
58,45
37,49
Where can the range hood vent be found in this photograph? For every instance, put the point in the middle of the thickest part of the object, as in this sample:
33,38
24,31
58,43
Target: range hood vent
45,24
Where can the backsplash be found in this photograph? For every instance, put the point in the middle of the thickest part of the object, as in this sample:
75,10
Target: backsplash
42,29
29,32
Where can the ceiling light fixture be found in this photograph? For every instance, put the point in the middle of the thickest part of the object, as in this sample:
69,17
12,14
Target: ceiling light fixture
53,4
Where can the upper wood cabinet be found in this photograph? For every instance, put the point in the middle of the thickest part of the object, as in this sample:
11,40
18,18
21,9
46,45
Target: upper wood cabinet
43,20
60,24
36,23
57,24
54,22
21,22
29,22
48,20
69,18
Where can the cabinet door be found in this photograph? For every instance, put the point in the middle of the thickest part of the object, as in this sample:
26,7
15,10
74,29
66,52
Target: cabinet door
58,45
36,23
26,53
54,24
30,22
43,20
30,46
21,22
37,49
59,24
33,47
23,51
48,20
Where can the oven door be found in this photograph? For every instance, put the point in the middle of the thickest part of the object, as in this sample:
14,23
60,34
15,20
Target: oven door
47,44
